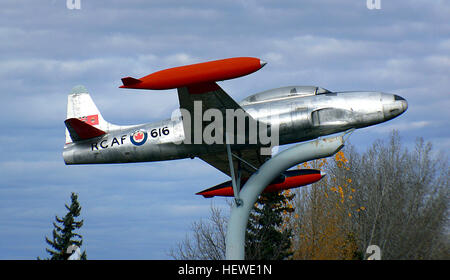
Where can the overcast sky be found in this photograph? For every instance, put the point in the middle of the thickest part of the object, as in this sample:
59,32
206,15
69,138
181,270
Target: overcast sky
140,211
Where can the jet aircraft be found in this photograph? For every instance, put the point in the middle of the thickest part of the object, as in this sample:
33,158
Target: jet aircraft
233,137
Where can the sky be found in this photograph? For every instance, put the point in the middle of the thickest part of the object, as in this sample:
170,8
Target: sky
142,210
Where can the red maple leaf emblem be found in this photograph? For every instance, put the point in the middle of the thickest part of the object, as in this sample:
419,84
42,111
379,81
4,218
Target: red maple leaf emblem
138,136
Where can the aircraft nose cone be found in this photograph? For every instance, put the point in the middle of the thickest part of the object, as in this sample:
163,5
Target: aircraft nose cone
402,101
393,107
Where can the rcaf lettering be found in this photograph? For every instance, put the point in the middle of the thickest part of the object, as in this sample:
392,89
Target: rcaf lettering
104,144
94,145
114,141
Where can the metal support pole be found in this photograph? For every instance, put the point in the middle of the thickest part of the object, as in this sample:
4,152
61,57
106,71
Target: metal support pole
237,224
235,182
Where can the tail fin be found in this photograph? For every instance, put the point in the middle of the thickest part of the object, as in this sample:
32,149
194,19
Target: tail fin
129,81
80,106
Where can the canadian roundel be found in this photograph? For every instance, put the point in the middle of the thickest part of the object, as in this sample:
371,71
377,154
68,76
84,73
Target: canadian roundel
139,137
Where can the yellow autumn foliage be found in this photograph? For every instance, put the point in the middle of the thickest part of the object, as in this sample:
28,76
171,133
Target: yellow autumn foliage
321,219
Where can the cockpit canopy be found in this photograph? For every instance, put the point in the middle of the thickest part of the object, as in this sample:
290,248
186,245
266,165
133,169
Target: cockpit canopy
284,92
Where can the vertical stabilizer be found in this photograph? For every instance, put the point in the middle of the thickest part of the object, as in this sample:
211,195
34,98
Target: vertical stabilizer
81,106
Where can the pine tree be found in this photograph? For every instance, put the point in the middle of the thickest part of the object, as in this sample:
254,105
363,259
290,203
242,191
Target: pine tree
266,238
63,233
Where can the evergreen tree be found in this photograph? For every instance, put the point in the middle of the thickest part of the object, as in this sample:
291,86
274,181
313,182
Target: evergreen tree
63,233
266,239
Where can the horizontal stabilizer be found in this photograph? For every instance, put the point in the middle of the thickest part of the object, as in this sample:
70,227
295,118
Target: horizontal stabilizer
129,81
80,130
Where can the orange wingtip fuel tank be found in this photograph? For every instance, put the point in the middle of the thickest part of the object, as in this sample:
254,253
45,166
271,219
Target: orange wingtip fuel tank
194,74
291,179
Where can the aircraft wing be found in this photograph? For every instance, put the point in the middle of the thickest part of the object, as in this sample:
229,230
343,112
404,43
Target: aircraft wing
247,159
212,96
209,95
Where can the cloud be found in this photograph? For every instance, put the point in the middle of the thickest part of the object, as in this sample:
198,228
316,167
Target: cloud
402,126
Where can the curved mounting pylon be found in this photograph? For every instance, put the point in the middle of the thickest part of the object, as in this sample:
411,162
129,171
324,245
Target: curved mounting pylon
246,198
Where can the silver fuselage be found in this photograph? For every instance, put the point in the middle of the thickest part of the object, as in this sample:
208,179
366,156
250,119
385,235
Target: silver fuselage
298,118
